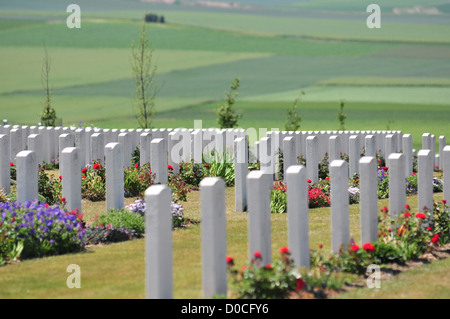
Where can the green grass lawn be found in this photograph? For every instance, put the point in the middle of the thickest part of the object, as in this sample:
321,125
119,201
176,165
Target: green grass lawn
118,270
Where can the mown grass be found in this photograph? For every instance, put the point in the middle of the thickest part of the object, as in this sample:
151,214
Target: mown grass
118,270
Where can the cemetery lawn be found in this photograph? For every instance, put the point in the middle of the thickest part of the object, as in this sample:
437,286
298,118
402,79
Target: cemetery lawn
117,270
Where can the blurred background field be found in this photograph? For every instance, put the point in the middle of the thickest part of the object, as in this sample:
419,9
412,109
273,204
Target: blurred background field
396,77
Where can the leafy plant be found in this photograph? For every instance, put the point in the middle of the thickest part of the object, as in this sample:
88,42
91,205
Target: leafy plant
93,185
227,117
293,118
341,116
137,180
108,234
144,74
277,280
34,229
118,218
49,187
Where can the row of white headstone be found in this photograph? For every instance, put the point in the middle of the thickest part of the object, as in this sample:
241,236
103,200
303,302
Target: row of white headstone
258,187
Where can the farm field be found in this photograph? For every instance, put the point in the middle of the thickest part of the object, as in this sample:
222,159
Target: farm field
199,51
393,78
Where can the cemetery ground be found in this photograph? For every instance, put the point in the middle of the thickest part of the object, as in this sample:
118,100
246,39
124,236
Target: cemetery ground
117,270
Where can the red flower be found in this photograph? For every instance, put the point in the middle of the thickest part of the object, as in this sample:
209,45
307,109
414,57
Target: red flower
355,248
257,254
385,168
136,165
63,199
444,201
46,205
60,177
84,170
230,261
207,166
284,250
13,219
408,214
320,246
327,178
384,209
309,181
269,266
407,207
96,166
170,167
421,215
436,166
428,228
414,173
401,231
435,239
83,177
369,247
300,283
12,164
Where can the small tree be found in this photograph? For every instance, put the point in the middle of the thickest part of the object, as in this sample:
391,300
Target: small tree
227,116
48,116
293,118
144,74
341,116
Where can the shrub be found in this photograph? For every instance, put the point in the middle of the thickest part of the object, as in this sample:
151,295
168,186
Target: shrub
119,218
277,280
383,182
40,230
191,173
137,180
179,188
278,200
108,234
220,166
49,187
178,219
93,186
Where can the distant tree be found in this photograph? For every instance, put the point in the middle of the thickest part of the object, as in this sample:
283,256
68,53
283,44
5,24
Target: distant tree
293,118
227,116
341,116
144,74
48,116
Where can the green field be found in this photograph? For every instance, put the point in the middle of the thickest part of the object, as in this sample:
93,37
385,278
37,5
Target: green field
396,77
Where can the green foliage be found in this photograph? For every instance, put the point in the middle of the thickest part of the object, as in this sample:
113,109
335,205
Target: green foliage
277,280
108,234
122,218
48,116
191,173
341,116
293,118
220,165
49,187
93,185
278,198
227,117
178,187
144,74
137,179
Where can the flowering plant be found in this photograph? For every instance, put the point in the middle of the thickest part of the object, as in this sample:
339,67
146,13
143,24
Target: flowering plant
93,184
40,229
137,179
276,280
191,173
178,219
